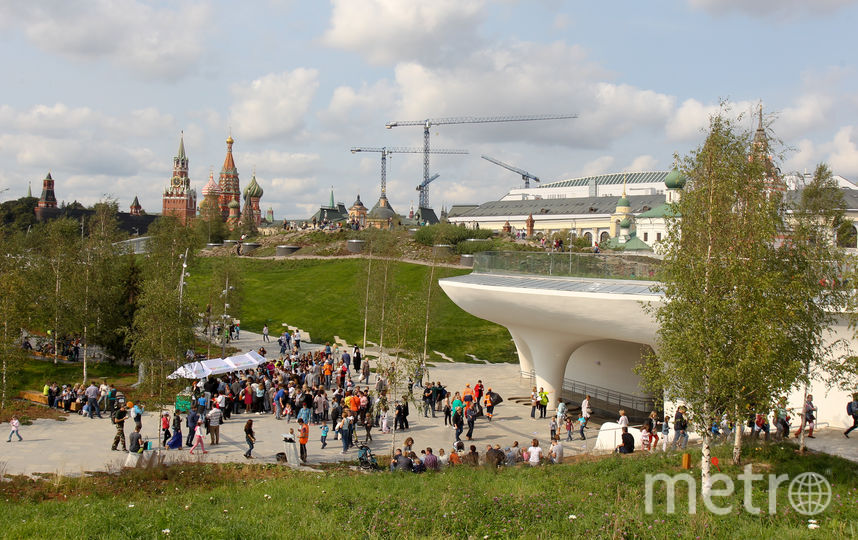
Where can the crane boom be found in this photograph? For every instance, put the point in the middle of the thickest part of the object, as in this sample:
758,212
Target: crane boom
385,150
429,122
424,191
526,176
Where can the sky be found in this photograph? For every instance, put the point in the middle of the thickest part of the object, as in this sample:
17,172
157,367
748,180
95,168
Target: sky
98,92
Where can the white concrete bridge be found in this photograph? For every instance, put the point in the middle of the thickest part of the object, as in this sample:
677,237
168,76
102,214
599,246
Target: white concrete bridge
582,318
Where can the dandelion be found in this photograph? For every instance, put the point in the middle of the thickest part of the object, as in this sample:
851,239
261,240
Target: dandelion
573,516
812,526
130,506
165,531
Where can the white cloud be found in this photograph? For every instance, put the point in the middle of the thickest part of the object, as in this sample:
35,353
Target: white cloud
809,112
843,153
803,159
276,162
521,79
788,9
156,43
691,119
642,163
599,165
387,31
274,105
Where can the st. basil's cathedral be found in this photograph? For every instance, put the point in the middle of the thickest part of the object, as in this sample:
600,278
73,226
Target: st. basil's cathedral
180,200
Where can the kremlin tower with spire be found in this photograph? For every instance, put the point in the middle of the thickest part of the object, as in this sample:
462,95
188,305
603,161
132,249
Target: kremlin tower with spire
229,187
179,199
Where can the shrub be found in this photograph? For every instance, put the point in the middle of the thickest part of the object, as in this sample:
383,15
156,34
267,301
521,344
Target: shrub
446,233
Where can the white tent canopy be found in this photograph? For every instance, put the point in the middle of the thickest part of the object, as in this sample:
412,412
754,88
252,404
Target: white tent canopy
218,366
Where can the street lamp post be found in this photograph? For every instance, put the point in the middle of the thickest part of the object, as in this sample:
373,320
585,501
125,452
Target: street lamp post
225,329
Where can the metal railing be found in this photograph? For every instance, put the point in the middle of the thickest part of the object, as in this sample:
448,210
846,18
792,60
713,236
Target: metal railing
601,394
588,265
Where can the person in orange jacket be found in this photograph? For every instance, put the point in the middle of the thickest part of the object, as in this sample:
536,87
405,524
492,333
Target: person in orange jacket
490,407
303,438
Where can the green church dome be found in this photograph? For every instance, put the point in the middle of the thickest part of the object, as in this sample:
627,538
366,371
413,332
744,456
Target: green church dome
623,202
626,223
253,189
233,204
675,179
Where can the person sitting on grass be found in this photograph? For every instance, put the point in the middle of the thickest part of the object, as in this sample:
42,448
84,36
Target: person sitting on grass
534,453
628,445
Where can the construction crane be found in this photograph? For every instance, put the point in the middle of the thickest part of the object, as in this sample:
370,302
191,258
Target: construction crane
423,188
385,151
526,176
429,122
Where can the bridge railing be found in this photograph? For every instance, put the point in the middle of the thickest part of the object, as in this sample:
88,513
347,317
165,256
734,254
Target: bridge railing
587,265
605,396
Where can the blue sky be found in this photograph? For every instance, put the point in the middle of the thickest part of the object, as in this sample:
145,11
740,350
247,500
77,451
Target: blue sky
98,91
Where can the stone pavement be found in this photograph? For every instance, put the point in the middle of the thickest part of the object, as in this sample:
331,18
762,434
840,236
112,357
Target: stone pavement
80,444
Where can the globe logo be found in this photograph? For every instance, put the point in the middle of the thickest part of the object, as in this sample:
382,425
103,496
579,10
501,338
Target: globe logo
809,493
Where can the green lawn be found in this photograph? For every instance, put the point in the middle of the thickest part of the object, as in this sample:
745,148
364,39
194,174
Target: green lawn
598,499
326,298
33,374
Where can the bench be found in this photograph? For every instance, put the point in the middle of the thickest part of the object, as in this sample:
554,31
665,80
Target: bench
40,398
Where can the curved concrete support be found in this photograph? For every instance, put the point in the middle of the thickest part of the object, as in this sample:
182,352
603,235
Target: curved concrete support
524,354
550,353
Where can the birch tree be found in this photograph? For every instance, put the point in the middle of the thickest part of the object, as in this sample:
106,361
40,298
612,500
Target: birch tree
721,337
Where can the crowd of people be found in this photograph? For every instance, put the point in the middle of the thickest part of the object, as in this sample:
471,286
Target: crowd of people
407,460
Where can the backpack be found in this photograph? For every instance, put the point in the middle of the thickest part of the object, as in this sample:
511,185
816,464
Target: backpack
850,408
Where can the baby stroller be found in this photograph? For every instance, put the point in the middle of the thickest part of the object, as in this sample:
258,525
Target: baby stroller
366,460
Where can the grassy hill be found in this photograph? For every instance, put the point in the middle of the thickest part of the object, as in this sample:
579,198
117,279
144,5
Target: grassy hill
601,498
326,298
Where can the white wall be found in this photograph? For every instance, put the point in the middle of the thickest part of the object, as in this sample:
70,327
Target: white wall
609,364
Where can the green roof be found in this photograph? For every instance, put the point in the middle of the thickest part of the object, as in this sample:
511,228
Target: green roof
661,211
636,244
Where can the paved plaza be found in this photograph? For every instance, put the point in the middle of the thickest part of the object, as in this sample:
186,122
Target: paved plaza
79,444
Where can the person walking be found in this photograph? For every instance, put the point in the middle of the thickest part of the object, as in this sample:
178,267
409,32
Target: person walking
586,411
191,423
809,417
490,406
249,437
324,437
534,402
852,410
118,418
14,429
265,334
368,426
165,428
198,437
680,426
92,394
459,422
